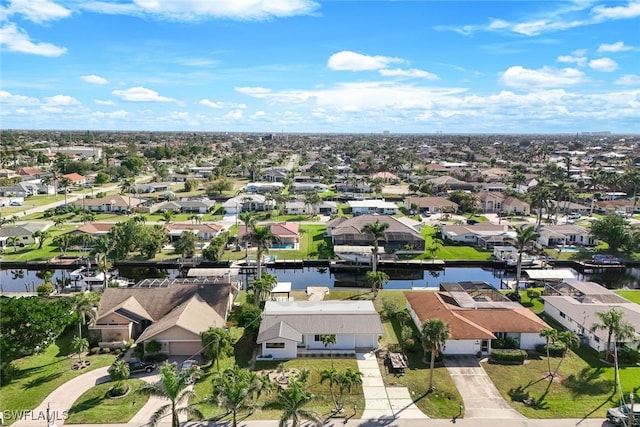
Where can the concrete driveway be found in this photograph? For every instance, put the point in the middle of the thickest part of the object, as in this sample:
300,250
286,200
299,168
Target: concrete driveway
480,396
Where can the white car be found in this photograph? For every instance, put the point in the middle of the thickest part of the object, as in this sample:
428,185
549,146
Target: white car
188,364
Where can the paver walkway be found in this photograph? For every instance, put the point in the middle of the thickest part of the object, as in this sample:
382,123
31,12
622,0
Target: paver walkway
384,403
480,396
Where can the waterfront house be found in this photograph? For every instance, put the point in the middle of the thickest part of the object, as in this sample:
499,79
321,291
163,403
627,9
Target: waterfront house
575,304
482,234
23,233
287,234
476,314
203,232
565,234
398,236
431,205
290,329
171,311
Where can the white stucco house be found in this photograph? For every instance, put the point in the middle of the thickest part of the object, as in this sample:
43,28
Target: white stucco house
476,314
294,328
372,206
575,304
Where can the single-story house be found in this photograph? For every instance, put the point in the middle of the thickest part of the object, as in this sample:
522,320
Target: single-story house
203,232
23,233
21,189
304,187
565,234
94,229
264,187
112,203
274,174
286,233
575,304
76,179
476,314
443,183
201,206
513,205
348,232
296,208
386,177
248,203
152,187
431,204
294,328
481,234
171,311
372,206
327,207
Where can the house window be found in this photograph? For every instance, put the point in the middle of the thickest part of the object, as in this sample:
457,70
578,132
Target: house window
317,338
563,315
596,339
274,345
501,334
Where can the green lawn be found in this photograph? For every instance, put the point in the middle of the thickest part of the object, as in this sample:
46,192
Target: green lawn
633,295
95,407
42,373
584,388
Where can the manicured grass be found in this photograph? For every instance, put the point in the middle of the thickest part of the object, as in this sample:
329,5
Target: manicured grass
633,296
95,407
42,373
585,386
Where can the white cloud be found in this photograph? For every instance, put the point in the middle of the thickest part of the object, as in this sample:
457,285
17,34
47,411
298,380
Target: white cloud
352,61
628,80
545,77
410,73
62,100
603,64
631,10
93,79
228,9
497,24
212,104
234,115
580,61
38,11
101,102
141,94
120,114
17,40
7,98
255,91
614,47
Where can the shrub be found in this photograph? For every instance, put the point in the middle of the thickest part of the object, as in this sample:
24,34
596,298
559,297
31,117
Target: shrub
389,308
157,357
105,350
45,289
504,343
118,389
152,347
628,356
508,356
555,349
94,350
514,296
8,372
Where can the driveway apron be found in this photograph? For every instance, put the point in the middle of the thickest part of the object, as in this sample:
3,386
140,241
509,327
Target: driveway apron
382,403
480,396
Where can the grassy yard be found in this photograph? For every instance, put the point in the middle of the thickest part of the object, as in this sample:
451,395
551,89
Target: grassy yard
96,407
633,296
42,373
584,388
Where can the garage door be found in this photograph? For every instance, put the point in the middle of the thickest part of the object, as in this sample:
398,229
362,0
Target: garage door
189,348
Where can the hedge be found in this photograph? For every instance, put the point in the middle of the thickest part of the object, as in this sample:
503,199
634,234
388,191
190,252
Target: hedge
555,349
508,356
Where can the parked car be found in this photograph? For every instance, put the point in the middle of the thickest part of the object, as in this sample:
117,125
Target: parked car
186,366
137,365
621,415
574,215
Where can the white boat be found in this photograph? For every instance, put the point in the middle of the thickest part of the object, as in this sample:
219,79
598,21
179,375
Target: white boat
356,254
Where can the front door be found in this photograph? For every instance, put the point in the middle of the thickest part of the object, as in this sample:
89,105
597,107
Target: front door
484,347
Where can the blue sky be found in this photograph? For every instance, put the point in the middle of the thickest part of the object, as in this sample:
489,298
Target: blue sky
321,66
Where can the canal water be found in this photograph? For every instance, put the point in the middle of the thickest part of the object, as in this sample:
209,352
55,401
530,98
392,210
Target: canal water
21,280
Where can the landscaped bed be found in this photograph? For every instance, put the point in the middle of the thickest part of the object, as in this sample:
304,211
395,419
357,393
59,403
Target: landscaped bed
96,407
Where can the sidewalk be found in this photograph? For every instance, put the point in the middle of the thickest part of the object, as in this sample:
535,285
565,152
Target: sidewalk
384,404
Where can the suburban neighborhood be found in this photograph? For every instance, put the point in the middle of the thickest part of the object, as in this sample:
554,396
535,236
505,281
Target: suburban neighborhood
100,219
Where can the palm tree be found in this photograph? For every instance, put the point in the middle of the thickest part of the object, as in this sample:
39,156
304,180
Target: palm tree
40,236
376,231
167,215
434,335
346,380
524,236
616,326
127,186
236,389
292,400
332,376
13,241
551,336
262,238
65,182
329,340
377,280
262,287
173,385
571,342
249,222
80,345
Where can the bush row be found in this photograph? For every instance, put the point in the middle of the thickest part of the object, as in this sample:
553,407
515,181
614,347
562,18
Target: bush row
508,356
